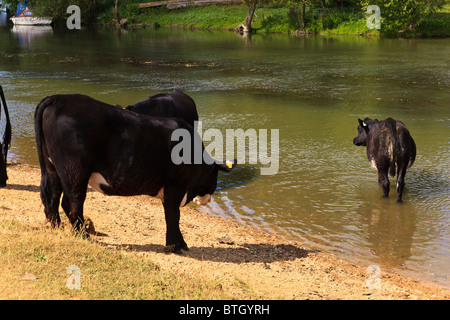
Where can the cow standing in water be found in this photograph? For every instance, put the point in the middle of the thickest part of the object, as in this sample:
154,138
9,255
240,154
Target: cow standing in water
4,147
83,141
390,149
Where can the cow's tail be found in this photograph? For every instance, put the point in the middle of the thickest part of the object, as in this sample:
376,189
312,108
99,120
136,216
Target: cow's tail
42,148
7,135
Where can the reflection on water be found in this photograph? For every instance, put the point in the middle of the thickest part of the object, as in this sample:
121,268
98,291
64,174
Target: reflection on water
3,19
27,35
312,89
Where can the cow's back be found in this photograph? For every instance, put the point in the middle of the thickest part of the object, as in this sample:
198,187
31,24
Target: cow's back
176,104
380,143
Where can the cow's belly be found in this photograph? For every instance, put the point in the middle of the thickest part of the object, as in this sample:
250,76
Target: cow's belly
122,187
99,183
96,181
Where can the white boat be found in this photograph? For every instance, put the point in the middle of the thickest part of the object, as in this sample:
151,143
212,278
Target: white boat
26,17
31,21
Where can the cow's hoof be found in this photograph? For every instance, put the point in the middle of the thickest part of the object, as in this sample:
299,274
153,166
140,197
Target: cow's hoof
176,248
89,226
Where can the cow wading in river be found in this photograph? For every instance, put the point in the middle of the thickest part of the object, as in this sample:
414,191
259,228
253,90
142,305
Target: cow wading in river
390,148
83,141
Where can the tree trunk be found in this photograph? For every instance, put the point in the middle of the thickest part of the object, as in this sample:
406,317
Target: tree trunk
302,16
116,11
249,18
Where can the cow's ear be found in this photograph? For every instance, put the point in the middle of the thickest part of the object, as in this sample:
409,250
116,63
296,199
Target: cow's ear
362,123
365,123
227,166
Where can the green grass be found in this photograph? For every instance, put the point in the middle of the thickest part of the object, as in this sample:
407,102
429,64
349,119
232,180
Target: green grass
34,262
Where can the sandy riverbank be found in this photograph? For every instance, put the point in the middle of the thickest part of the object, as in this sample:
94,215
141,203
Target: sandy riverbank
220,249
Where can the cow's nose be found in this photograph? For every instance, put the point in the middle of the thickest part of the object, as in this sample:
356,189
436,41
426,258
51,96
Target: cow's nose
202,200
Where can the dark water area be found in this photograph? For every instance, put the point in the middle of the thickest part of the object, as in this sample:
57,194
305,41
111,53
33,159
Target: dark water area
312,90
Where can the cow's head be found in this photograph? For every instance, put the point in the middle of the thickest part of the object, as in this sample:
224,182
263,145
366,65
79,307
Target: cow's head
207,182
363,129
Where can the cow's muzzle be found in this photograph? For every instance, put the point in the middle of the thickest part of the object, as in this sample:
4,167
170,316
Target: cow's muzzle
202,200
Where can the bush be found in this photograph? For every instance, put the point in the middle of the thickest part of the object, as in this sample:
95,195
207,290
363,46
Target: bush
403,16
294,18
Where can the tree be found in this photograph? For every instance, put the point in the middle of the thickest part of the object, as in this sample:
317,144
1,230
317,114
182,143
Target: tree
252,5
403,16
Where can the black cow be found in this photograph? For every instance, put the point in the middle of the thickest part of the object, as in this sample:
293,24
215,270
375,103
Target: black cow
176,104
6,142
83,141
390,148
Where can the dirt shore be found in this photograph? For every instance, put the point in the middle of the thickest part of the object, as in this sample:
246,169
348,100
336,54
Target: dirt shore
220,249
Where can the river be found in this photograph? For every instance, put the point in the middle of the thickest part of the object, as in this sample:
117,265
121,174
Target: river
312,90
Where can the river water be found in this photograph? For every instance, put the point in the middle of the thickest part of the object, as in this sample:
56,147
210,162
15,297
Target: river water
312,90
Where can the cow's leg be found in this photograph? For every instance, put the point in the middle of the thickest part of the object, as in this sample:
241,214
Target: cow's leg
51,190
384,181
174,238
73,207
73,201
401,172
3,175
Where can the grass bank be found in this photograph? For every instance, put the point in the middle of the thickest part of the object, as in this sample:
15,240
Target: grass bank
340,21
35,262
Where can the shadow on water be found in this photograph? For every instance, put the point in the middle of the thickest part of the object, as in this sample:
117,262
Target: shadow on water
241,175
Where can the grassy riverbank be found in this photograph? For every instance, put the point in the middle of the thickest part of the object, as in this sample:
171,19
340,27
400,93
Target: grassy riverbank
228,17
341,21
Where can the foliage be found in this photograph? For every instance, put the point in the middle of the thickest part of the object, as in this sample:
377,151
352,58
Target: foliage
294,18
434,25
403,16
320,18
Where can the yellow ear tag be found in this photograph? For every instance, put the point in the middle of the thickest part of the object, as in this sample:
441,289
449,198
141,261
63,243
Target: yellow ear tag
364,124
229,164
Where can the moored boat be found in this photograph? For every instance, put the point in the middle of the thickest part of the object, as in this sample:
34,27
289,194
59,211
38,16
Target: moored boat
24,16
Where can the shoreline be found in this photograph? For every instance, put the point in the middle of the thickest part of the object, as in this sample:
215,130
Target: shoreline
221,250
